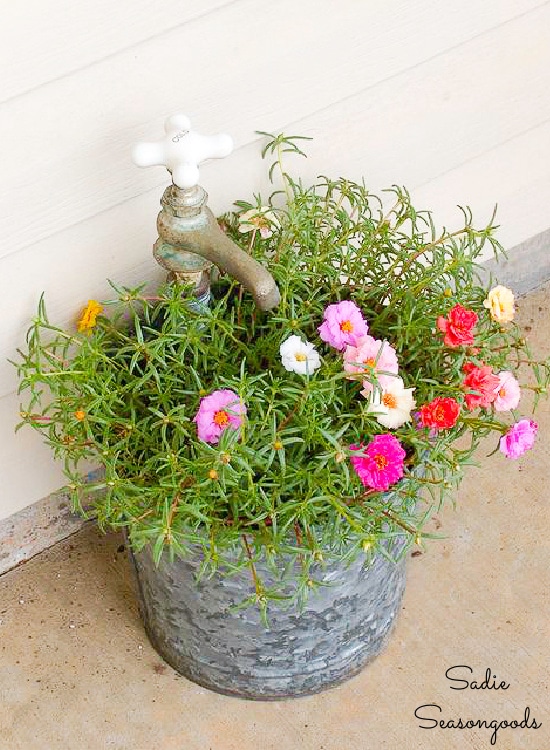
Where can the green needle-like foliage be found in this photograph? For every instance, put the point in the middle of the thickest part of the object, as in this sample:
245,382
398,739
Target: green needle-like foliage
123,393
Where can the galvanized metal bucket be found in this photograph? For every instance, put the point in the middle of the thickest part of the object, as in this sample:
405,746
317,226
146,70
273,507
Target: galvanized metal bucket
192,626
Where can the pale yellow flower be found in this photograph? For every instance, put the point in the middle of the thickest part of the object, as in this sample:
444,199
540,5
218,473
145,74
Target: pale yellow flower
500,301
88,317
258,219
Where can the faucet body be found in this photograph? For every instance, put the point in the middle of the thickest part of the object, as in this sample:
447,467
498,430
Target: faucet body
190,242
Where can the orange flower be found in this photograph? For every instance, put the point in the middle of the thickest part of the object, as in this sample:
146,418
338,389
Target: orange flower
80,415
88,318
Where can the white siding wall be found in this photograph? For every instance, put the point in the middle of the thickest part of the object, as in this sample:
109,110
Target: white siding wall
451,99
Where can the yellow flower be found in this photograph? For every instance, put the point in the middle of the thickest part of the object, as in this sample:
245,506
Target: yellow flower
88,318
500,301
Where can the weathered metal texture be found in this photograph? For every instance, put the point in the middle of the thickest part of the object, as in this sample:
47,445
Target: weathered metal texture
190,240
343,626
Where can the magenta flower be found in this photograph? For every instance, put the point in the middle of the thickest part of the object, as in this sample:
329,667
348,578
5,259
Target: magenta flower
519,438
221,410
372,357
380,464
508,392
343,324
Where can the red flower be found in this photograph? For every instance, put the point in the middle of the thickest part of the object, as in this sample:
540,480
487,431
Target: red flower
482,380
440,414
458,326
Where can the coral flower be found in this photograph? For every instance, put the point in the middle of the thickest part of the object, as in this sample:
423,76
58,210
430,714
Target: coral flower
508,392
440,414
299,356
519,438
219,411
392,408
89,315
258,219
500,301
380,464
343,325
458,326
374,358
484,382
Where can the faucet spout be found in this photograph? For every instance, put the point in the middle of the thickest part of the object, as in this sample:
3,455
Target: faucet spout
214,245
190,241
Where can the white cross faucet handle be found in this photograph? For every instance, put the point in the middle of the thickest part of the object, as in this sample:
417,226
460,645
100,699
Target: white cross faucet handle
182,150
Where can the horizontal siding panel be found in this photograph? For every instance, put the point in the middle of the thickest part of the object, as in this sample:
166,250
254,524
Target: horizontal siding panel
499,176
27,467
54,38
72,267
431,119
238,72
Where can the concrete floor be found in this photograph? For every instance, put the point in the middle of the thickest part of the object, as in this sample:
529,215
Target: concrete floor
77,671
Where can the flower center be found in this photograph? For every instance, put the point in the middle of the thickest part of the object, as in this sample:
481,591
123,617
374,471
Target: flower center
380,461
221,418
300,357
346,326
502,393
370,362
389,400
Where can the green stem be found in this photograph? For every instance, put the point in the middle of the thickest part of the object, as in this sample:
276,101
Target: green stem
257,586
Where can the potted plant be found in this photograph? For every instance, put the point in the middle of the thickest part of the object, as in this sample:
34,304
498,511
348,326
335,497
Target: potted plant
272,470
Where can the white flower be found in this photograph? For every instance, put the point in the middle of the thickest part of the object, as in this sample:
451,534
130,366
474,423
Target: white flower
392,407
258,219
299,356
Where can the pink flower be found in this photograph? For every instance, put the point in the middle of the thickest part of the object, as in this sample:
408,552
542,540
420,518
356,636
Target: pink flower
372,357
380,464
507,392
343,324
217,412
519,438
483,381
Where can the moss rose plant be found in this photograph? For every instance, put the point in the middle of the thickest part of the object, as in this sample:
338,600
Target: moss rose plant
319,430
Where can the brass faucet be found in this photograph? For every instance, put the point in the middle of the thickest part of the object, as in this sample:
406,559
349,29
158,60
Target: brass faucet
190,240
